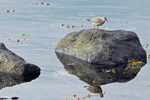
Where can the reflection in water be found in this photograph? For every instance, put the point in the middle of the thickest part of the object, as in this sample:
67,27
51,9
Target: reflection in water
96,75
13,98
8,80
96,89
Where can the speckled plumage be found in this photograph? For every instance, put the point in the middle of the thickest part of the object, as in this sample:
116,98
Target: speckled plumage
98,21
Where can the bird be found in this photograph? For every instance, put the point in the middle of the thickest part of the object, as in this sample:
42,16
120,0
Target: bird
98,21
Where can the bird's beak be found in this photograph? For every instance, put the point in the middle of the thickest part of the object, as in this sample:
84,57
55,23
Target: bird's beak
107,20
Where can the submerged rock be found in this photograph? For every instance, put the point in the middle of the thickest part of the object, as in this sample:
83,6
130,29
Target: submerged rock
14,64
102,46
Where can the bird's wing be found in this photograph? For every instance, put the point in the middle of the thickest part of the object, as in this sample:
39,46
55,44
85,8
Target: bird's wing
95,20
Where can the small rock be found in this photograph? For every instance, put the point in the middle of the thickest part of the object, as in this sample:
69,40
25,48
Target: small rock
62,24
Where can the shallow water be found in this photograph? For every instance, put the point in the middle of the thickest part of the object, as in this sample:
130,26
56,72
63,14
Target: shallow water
44,24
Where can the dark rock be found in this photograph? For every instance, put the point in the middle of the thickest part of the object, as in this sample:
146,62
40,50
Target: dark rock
9,80
103,46
15,98
13,64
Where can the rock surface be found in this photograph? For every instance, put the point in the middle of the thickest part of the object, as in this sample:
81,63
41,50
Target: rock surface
13,64
8,80
102,46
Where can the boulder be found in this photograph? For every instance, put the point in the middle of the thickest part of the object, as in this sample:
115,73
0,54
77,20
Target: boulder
13,64
9,79
102,46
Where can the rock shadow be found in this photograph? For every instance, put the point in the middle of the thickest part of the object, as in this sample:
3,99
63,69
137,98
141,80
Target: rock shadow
97,75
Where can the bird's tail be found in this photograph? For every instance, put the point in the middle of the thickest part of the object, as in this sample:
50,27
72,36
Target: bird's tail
88,19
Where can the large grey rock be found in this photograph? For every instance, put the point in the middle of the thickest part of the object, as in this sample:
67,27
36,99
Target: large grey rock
13,64
102,46
101,74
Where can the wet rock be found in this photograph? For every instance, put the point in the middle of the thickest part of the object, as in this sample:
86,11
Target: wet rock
14,64
9,80
102,46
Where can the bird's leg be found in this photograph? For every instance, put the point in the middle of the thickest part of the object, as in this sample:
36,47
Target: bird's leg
94,27
97,27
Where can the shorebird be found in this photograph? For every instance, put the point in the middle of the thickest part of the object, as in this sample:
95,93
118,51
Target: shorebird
97,21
